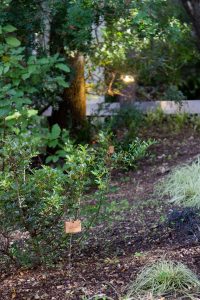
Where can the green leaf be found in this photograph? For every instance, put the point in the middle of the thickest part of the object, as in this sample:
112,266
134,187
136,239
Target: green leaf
63,67
61,153
16,115
32,68
48,159
12,41
55,131
31,113
62,82
55,158
6,69
9,28
52,158
5,103
43,61
16,82
26,76
53,143
19,102
4,111
1,70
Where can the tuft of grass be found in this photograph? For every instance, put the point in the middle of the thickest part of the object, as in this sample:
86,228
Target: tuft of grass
183,185
164,278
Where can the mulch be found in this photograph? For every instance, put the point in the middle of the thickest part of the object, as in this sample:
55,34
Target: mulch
115,252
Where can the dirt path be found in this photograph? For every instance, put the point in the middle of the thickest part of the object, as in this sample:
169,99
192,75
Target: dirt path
115,252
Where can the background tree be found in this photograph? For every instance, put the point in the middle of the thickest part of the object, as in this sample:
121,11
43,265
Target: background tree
193,9
63,27
139,38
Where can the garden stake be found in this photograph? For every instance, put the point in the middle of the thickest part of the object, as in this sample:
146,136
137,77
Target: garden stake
71,227
70,254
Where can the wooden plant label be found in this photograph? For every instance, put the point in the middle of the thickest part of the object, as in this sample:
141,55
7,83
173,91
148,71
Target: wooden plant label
73,226
111,149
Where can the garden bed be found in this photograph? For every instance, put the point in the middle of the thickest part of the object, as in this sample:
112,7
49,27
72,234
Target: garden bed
116,251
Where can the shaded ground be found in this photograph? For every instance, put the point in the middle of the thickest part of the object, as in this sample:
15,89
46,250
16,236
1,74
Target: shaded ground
116,252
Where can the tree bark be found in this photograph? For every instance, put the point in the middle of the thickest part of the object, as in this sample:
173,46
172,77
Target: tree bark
192,7
74,98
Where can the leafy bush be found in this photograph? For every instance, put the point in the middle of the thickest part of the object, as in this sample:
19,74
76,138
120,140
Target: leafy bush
32,202
56,140
183,185
126,118
127,158
35,202
195,121
23,79
174,94
128,147
155,118
125,155
173,123
165,278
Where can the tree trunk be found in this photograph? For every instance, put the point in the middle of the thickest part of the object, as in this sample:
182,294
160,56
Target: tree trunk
74,98
192,7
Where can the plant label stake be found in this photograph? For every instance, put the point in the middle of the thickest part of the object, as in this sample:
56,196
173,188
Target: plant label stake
73,226
111,149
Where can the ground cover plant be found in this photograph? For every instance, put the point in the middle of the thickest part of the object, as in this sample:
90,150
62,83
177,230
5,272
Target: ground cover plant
182,185
166,278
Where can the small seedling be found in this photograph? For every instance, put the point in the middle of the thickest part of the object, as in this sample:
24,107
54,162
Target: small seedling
138,254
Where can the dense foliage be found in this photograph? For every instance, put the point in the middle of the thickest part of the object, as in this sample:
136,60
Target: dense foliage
47,177
151,40
36,201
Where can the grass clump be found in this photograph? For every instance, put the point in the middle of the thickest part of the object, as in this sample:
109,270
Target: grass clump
164,278
183,185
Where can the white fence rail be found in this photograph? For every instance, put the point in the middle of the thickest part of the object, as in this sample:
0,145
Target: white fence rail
103,109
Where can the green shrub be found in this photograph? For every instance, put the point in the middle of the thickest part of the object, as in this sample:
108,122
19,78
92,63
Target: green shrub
183,185
195,121
172,123
128,121
36,202
128,157
32,202
155,118
125,118
27,80
174,94
165,278
56,140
